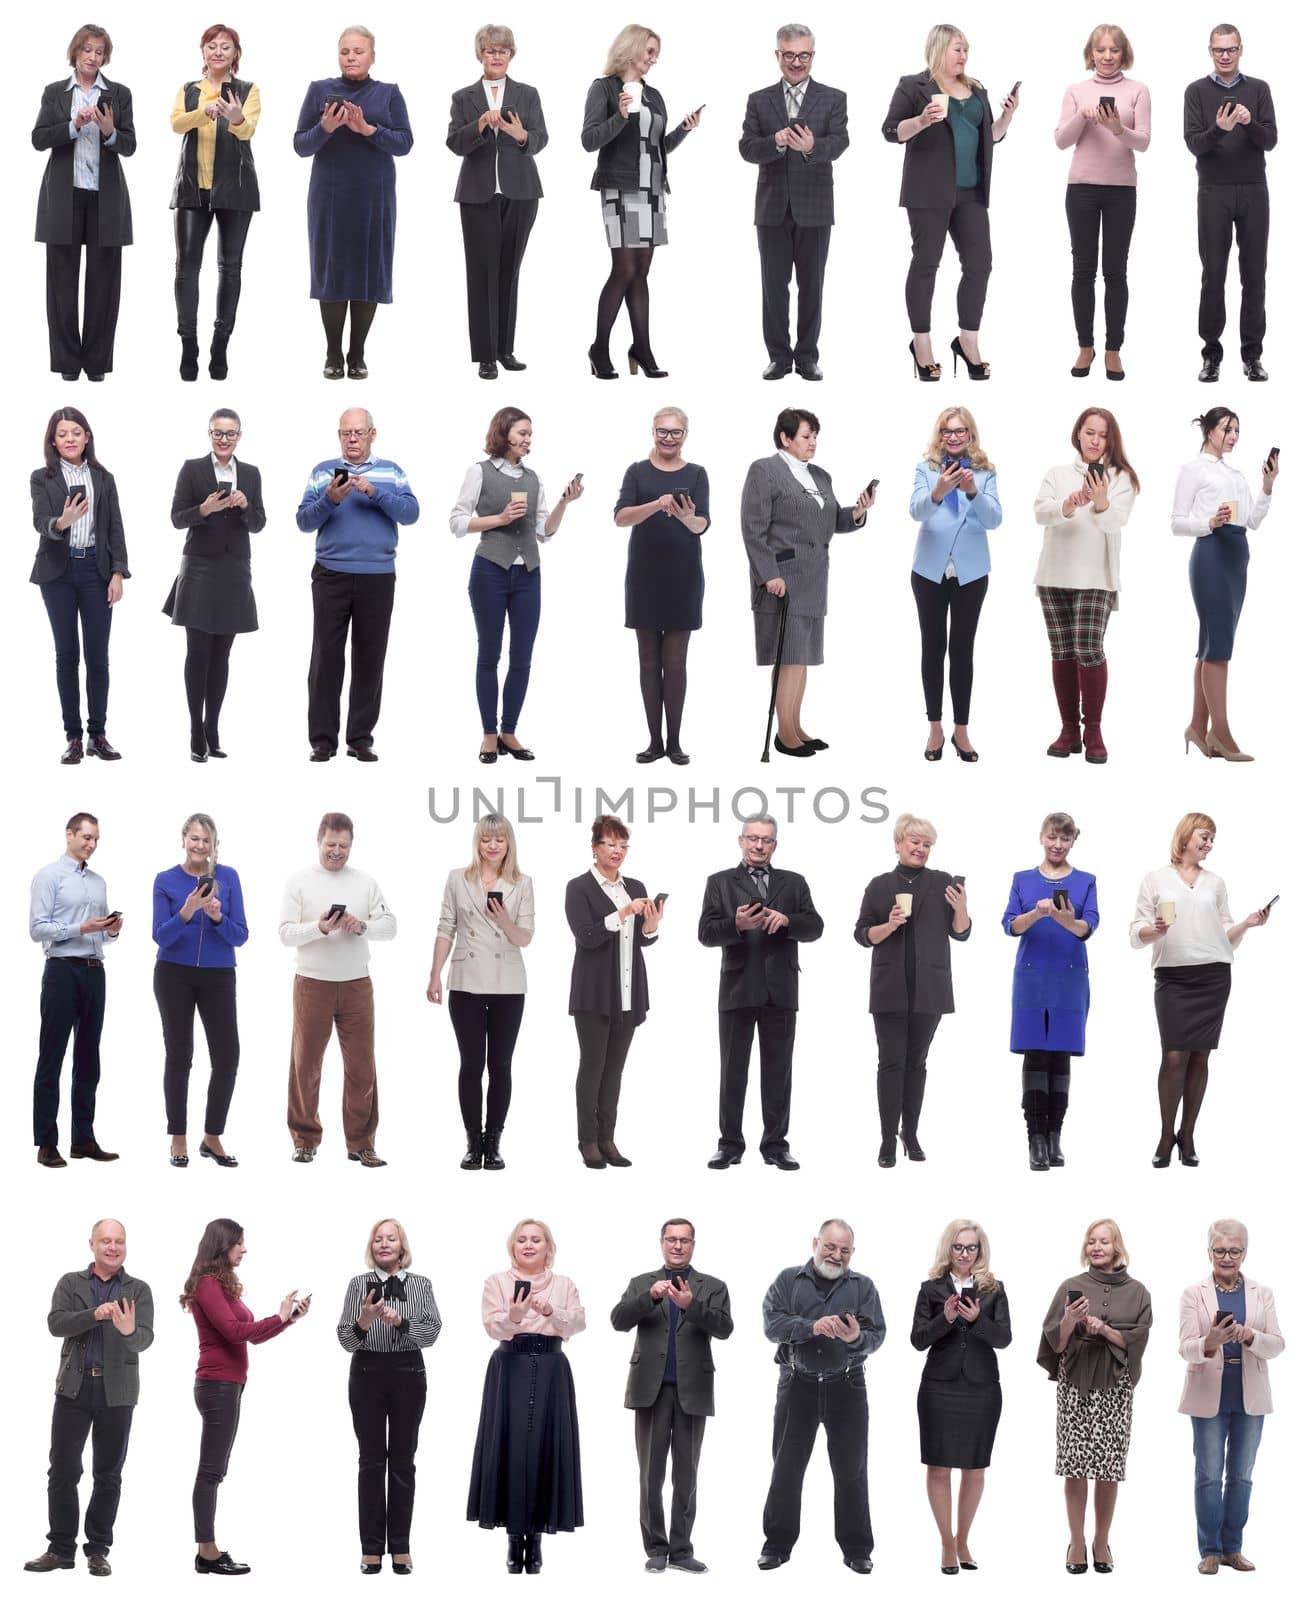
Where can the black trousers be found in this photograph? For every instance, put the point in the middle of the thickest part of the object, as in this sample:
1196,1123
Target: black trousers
72,1002
486,1030
219,1405
785,247
947,622
603,1043
1101,217
191,227
387,1397
968,224
109,1427
736,1031
840,1406
903,1040
181,992
659,1427
495,240
1224,209
358,604
90,349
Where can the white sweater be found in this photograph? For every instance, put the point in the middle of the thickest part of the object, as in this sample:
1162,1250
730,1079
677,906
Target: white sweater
338,956
1081,551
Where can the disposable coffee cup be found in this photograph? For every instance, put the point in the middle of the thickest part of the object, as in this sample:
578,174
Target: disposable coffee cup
634,89
1232,508
906,903
1168,911
942,100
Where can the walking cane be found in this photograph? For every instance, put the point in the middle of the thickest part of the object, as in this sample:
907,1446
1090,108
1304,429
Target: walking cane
777,668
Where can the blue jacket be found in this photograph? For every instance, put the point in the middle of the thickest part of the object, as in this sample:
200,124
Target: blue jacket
200,942
1052,987
960,533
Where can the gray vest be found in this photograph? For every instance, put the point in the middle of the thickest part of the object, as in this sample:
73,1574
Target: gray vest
505,545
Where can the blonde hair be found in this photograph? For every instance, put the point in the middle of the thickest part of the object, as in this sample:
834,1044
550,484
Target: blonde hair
672,411
536,1223
406,1254
1191,823
210,827
983,1277
494,826
629,44
906,823
976,455
939,41
1114,32
1121,1258
359,31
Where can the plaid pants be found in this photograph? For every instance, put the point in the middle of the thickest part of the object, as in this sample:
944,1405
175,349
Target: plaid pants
1075,621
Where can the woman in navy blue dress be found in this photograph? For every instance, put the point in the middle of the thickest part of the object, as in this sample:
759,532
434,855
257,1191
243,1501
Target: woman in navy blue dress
1052,911
353,127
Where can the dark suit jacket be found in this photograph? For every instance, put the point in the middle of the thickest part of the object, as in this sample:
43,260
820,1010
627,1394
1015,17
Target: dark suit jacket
786,180
72,1318
519,179
597,979
225,533
618,138
758,969
709,1316
960,1349
931,929
49,491
929,156
54,205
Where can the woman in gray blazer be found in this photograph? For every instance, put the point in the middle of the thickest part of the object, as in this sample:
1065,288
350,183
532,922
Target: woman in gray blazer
487,920
497,127
789,513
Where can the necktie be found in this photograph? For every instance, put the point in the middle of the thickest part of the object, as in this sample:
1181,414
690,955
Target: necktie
792,101
760,879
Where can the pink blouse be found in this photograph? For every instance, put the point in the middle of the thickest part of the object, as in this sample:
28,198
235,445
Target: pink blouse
1098,155
566,1314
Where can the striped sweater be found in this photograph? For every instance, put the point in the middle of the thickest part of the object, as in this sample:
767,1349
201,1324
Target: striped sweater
361,533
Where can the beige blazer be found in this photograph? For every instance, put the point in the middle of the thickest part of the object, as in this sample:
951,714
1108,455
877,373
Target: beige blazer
1204,1374
482,960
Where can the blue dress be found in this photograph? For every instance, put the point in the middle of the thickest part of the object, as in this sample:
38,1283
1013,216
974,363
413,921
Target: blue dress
352,189
1052,986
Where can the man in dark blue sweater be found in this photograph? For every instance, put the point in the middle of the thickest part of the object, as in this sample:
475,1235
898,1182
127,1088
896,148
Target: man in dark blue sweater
355,503
1228,126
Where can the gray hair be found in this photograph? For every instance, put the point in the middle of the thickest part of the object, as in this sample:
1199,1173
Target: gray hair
1061,823
1229,1228
794,30
759,816
363,33
494,33
210,827
836,1222
363,411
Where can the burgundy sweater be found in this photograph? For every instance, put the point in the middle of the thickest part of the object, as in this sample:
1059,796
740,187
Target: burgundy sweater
225,1328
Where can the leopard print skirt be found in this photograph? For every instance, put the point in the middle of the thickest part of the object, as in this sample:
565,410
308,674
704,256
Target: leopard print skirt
1093,1431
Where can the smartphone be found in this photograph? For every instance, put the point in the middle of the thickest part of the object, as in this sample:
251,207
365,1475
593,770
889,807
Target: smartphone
577,477
1015,88
335,103
1107,102
223,490
659,900
699,108
681,492
495,897
677,1280
522,1288
1270,460
968,1295
105,102
1074,1295
1095,469
959,880
1060,898
113,915
1227,107
800,125
340,475
872,484
77,495
1271,904
335,913
205,886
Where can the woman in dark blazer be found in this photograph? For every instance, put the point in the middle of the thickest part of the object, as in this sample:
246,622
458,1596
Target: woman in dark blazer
627,122
81,561
789,513
216,116
961,1320
220,503
943,119
85,122
909,916
498,128
608,998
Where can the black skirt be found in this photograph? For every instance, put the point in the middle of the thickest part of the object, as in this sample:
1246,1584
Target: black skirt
1189,1003
957,1422
214,595
527,1466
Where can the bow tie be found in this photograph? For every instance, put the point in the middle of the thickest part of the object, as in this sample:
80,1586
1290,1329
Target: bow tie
392,1288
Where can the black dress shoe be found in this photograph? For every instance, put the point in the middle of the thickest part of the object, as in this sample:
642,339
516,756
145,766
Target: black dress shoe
334,367
48,1156
912,1148
69,377
95,377
770,1560
686,1564
98,1566
656,1563
1186,1153
792,750
775,370
679,758
1103,1566
597,1162
355,368
219,1160
861,1564
321,752
647,364
652,752
488,758
532,1555
1255,370
50,1562
72,753
215,753
810,371
1076,1568
361,752
612,1154
601,366
402,1569
98,745
783,1160
199,755
487,369
818,744
722,1159
89,1150
511,363
886,1152
223,1567
179,1161
1209,370
1053,1148
370,1569
518,752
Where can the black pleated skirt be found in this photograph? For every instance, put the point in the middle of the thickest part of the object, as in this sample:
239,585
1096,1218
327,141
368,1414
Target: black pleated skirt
957,1422
213,594
1189,1003
527,1466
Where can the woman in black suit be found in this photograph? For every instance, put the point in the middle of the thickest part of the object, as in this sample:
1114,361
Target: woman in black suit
961,1320
497,127
85,122
220,504
81,561
608,999
909,916
943,119
627,122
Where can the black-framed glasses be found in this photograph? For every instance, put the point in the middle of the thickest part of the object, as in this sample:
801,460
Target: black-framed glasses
671,434
796,58
1226,1252
763,839
1224,50
954,433
224,435
966,1249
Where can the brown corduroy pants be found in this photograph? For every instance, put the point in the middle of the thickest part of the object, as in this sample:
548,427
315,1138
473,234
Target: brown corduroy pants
315,1006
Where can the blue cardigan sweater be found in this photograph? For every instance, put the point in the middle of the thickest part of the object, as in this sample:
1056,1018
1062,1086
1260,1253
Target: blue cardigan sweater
200,942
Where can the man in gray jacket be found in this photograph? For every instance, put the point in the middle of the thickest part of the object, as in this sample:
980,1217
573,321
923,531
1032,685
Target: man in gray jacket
105,1318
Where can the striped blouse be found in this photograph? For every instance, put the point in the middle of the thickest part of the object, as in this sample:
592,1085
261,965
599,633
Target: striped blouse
81,534
411,1295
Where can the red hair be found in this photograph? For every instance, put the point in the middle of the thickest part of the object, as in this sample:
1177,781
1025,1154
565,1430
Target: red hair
232,34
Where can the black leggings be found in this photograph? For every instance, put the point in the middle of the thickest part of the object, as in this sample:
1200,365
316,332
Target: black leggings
1046,1075
333,313
663,682
190,230
181,991
959,604
628,280
486,1028
205,676
219,1405
1091,207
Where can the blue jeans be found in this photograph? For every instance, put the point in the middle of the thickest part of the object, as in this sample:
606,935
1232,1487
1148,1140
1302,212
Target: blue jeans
1222,1486
497,593
80,593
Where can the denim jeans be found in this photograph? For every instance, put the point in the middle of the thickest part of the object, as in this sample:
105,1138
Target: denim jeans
496,593
79,593
1222,1486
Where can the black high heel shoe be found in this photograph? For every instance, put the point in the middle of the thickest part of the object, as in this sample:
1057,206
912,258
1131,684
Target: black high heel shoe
1103,1566
517,1552
1114,374
521,753
1164,1160
1186,1154
934,755
1074,1567
792,750
370,1569
402,1569
931,373
978,371
964,755
886,1152
1082,372
532,1555
647,364
489,757
912,1149
601,367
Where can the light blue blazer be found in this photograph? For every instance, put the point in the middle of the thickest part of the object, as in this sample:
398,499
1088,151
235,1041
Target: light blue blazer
943,533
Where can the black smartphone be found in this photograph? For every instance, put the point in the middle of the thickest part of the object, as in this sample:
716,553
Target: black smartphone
1015,88
677,1280
699,108
522,1288
105,102
223,490
495,897
335,103
1271,904
340,475
205,886
871,485
113,915
1270,460
949,463
335,913
1061,900
660,898
77,495
577,477
959,880
1074,1295
681,492
968,1295
1107,102
800,125
1095,469
1227,107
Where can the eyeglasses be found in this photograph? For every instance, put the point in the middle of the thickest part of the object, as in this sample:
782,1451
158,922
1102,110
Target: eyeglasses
954,433
670,434
1227,1252
613,844
224,435
796,58
759,839
353,433
496,50
682,1240
1224,49
965,1249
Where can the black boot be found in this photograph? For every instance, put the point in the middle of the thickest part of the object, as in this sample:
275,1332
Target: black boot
1038,1152
491,1159
189,369
1054,1148
517,1547
533,1557
472,1162
218,356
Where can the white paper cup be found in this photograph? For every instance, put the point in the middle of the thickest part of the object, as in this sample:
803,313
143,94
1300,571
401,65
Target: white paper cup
634,89
906,903
1232,506
1168,911
942,100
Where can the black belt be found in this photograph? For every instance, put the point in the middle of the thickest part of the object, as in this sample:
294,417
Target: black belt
79,961
93,1372
822,1377
530,1344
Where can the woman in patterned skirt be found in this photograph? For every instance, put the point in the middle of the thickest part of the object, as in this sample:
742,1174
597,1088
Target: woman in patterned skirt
627,123
1095,1333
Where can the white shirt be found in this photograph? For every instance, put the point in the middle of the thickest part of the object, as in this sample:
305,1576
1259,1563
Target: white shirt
81,534
470,492
961,1283
624,927
1202,486
802,475
224,474
1199,934
494,90
1081,551
334,957
86,139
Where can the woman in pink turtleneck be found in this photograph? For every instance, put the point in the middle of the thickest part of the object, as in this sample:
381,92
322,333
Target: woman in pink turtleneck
527,1475
1106,120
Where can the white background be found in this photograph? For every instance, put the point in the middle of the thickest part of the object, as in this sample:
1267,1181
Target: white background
289,1505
